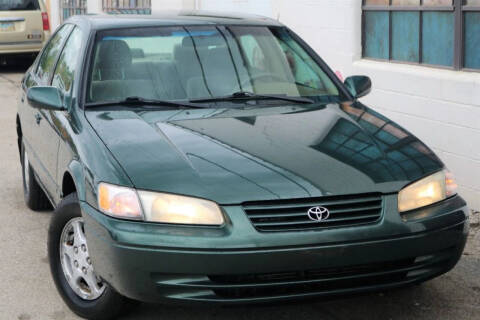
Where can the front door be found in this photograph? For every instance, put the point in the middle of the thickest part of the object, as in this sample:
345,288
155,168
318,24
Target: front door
38,127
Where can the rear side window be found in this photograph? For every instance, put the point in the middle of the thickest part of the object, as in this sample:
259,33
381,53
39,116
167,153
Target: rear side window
6,5
50,54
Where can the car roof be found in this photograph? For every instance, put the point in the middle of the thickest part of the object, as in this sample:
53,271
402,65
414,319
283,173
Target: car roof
170,18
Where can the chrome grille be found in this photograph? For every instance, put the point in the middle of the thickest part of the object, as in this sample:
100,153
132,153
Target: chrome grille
292,215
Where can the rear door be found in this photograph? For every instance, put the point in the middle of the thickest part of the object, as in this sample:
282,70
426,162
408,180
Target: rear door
21,22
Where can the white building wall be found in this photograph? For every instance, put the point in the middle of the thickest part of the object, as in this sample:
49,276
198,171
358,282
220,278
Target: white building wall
441,107
262,7
162,5
94,6
54,14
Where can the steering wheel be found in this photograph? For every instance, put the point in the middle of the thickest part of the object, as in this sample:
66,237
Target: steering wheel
263,76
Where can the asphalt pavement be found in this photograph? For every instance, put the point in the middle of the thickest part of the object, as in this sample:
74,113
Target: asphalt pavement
28,293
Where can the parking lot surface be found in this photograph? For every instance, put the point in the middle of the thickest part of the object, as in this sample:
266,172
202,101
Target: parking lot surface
28,292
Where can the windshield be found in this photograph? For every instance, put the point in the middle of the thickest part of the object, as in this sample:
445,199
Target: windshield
19,5
191,63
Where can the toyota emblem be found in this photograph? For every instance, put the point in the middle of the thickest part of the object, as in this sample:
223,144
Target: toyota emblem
318,214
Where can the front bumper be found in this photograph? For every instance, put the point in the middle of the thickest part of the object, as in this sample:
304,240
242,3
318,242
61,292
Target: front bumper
237,264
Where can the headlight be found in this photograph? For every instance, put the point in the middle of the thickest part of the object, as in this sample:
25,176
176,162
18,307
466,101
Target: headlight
426,191
169,208
126,203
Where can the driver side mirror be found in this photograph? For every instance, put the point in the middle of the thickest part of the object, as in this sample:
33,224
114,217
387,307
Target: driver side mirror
48,98
358,86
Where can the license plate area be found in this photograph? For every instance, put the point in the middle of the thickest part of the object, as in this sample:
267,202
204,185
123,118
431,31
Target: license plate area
7,26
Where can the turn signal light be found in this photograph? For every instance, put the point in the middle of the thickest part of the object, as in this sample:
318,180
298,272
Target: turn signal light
119,202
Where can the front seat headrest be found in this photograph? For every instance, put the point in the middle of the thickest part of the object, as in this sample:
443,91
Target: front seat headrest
114,56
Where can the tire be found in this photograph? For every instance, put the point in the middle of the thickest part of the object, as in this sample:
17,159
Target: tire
33,194
105,305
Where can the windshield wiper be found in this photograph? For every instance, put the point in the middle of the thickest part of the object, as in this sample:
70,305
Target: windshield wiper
244,95
138,101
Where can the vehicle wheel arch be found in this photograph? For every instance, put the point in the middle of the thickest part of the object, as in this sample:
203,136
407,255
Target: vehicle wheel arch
19,134
73,180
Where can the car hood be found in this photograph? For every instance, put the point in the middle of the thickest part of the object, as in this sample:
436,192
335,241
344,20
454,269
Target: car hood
234,155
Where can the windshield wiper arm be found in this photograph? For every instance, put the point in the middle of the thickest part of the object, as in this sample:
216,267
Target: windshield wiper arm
243,95
138,101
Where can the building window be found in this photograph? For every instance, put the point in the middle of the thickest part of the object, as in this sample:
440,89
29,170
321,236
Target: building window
442,33
70,8
127,6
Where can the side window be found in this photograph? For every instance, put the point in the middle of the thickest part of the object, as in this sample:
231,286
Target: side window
29,81
253,52
50,54
300,69
306,72
67,64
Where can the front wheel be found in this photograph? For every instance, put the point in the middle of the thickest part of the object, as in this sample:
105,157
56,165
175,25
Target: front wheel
72,269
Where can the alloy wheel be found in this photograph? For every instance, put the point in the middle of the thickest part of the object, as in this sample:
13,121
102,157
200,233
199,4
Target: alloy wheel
76,262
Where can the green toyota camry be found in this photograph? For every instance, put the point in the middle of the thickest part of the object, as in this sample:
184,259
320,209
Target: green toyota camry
197,157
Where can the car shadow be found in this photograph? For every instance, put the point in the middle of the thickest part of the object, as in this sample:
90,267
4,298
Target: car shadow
15,64
394,304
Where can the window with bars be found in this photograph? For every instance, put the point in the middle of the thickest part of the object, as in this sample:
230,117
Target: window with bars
444,33
70,8
127,6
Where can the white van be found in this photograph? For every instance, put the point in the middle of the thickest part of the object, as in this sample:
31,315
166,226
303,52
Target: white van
24,27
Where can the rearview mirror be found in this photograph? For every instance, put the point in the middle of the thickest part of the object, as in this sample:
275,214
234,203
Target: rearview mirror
48,98
359,86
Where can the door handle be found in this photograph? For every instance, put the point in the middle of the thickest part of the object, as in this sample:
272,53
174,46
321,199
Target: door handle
38,118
